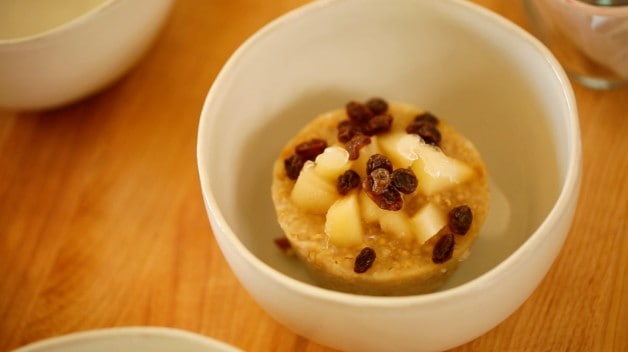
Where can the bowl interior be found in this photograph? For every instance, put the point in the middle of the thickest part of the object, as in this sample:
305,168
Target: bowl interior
490,80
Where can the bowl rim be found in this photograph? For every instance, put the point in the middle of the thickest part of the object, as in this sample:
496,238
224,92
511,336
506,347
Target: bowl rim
95,335
61,28
566,198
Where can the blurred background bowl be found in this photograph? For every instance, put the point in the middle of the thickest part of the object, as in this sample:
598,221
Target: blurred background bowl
56,52
129,339
490,79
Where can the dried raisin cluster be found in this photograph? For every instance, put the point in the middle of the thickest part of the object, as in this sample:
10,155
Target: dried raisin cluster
458,222
385,185
425,125
363,120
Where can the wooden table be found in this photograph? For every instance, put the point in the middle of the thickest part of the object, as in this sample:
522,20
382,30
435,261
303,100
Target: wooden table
102,222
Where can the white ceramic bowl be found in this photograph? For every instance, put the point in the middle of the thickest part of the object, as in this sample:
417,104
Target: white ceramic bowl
55,58
129,339
489,78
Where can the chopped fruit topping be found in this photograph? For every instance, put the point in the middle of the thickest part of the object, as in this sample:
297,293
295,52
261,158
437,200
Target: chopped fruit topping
386,200
343,224
364,260
312,192
460,219
348,181
383,168
401,148
332,162
427,222
436,171
443,249
396,223
370,211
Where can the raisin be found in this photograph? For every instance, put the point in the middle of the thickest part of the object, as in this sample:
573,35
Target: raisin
381,180
443,249
428,132
367,184
347,181
346,130
391,200
358,112
426,117
404,180
377,161
414,126
388,199
460,219
364,260
356,143
293,166
378,124
377,105
309,150
283,244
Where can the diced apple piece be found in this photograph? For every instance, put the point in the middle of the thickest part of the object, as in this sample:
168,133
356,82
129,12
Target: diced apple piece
311,192
370,211
343,224
436,171
332,163
359,165
427,222
396,223
400,147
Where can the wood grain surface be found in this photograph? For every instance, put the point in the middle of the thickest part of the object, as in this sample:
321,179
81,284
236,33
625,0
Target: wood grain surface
102,222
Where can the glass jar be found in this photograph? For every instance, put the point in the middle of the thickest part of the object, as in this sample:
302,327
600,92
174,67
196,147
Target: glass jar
588,37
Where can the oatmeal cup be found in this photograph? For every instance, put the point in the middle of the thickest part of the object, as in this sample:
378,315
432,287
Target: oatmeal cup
380,198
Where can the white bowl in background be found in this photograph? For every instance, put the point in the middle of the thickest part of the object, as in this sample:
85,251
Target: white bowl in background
493,81
58,57
129,339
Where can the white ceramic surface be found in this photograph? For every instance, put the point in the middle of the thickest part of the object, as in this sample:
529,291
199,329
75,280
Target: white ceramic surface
130,339
70,61
489,78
